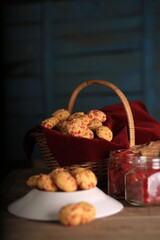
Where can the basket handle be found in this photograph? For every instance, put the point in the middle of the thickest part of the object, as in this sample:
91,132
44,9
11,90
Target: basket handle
119,94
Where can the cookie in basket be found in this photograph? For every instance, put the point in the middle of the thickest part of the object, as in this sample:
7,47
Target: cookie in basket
88,134
94,124
98,115
61,114
76,214
104,133
76,115
76,127
50,122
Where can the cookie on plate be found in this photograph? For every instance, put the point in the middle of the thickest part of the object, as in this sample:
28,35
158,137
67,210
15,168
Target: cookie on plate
45,182
66,182
86,179
32,181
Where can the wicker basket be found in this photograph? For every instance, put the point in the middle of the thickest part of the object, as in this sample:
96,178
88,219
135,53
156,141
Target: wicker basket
99,167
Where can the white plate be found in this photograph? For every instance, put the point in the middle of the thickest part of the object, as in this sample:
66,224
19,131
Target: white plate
41,205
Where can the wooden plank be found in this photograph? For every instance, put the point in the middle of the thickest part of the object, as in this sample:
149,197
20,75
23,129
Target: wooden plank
29,88
96,25
22,33
68,10
148,55
21,13
127,81
100,62
47,64
22,51
21,107
69,44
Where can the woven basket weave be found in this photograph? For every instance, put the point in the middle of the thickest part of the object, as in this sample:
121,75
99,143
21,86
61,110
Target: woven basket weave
99,167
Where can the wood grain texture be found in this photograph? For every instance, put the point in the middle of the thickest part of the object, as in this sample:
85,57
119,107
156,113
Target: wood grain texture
131,223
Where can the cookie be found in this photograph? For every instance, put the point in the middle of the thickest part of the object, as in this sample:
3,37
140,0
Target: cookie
86,179
32,181
61,126
56,171
77,170
104,133
89,212
61,114
44,182
94,124
76,128
97,114
75,115
66,182
76,214
50,122
88,134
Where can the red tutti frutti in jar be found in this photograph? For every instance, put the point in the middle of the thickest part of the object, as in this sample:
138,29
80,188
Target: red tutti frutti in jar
119,163
142,183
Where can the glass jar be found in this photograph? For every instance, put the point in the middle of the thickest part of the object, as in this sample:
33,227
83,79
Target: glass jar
142,183
120,162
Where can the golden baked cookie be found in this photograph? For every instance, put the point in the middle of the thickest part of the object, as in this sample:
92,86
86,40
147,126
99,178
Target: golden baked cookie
89,212
66,182
45,182
71,215
75,115
88,134
61,114
86,179
61,126
98,115
77,170
94,124
50,122
32,181
105,133
76,128
76,214
56,171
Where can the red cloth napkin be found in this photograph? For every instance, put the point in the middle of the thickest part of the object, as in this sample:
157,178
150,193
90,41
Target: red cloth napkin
69,150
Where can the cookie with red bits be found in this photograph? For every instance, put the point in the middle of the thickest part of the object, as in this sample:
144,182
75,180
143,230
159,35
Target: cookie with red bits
76,127
98,115
32,181
77,213
61,114
76,115
66,182
86,179
77,170
50,122
94,124
45,182
105,133
88,134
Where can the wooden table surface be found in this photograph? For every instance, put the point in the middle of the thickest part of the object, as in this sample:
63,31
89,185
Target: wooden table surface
131,223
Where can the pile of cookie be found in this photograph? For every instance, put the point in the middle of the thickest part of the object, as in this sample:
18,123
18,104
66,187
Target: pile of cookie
79,124
60,179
